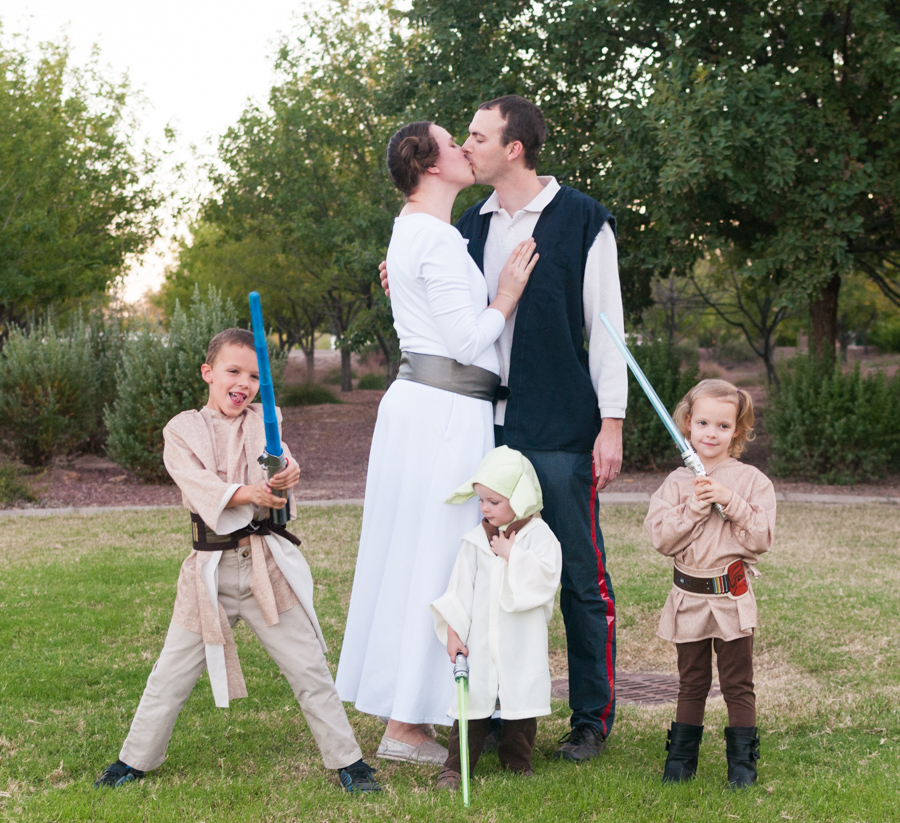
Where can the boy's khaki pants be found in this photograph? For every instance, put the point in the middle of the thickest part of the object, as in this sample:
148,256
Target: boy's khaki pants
291,643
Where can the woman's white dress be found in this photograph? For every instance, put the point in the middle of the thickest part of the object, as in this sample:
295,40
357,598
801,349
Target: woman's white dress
426,443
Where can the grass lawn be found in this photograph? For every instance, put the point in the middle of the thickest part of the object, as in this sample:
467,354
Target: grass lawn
85,602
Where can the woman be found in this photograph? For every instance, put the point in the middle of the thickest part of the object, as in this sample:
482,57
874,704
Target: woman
434,426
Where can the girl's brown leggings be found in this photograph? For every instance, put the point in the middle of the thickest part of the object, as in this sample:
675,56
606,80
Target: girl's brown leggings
735,663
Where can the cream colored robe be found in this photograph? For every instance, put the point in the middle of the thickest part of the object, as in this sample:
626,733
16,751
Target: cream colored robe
500,611
209,456
703,545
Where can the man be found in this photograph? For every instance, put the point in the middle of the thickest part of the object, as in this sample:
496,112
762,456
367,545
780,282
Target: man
565,403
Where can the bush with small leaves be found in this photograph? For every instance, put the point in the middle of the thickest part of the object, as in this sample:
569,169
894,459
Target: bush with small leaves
13,488
48,383
833,427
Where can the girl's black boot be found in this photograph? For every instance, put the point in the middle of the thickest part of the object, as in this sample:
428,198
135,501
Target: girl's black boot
742,751
683,747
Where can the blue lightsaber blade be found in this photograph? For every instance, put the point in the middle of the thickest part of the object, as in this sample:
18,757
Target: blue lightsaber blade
690,457
272,459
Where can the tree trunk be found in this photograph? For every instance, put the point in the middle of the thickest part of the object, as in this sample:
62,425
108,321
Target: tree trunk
823,319
310,354
769,360
346,371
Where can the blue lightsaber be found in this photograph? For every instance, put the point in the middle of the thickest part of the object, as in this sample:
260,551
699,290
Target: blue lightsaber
272,459
690,457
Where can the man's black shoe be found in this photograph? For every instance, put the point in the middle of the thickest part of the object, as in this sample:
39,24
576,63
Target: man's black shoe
358,777
582,743
118,774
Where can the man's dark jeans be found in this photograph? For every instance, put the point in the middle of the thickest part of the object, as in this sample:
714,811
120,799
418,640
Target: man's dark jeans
587,599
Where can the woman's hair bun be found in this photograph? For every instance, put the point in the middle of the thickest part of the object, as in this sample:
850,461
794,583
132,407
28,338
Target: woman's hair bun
410,152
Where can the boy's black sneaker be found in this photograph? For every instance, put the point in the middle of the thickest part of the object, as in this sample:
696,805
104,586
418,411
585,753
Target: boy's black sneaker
118,774
358,777
582,743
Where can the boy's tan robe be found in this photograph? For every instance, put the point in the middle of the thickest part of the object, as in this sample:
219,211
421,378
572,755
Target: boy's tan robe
703,545
209,456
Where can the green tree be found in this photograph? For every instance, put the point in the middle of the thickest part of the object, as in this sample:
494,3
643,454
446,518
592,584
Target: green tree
752,306
306,173
748,128
75,201
237,266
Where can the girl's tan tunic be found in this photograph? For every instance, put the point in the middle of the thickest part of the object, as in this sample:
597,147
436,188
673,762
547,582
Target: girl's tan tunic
209,456
703,545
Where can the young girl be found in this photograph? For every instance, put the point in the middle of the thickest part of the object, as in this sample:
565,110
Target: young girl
711,604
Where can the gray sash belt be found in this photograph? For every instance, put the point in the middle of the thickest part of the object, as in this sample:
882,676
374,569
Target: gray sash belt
450,375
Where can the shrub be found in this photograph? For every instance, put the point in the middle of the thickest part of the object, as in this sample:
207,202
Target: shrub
12,488
48,383
305,394
372,380
333,377
885,334
159,376
646,442
106,338
834,427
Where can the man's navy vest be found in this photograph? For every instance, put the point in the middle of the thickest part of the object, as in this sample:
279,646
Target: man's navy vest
552,404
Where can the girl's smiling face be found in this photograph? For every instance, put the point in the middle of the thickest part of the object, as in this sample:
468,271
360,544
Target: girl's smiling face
713,423
233,379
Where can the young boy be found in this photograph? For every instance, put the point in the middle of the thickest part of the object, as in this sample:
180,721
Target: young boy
242,567
496,610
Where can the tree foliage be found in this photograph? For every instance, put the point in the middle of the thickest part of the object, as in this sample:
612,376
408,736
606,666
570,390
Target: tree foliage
75,201
755,129
305,174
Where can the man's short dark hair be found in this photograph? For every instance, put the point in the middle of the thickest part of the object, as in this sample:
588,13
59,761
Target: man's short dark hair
524,122
229,337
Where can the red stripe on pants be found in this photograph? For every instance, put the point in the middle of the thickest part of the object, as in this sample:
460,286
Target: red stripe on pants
610,606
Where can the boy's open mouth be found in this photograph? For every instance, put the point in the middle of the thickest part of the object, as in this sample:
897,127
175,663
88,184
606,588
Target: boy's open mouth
237,398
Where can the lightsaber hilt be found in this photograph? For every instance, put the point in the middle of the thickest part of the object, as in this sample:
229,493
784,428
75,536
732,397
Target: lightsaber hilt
461,673
688,455
272,465
461,667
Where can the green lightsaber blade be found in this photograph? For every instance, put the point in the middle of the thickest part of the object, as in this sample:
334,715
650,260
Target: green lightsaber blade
690,457
461,673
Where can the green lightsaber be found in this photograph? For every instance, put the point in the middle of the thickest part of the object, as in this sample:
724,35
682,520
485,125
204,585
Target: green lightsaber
461,673
688,455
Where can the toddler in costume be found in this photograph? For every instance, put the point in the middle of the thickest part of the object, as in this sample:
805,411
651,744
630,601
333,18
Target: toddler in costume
496,610
711,605
242,567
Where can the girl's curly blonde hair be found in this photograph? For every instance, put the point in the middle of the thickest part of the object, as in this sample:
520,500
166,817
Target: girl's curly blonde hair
721,390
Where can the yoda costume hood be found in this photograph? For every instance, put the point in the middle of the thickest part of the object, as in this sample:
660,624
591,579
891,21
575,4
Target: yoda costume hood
508,472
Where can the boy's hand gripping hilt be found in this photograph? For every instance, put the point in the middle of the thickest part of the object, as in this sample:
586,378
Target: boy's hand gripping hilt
273,465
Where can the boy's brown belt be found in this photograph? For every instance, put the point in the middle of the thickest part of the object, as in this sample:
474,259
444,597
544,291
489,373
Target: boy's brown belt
206,540
733,582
